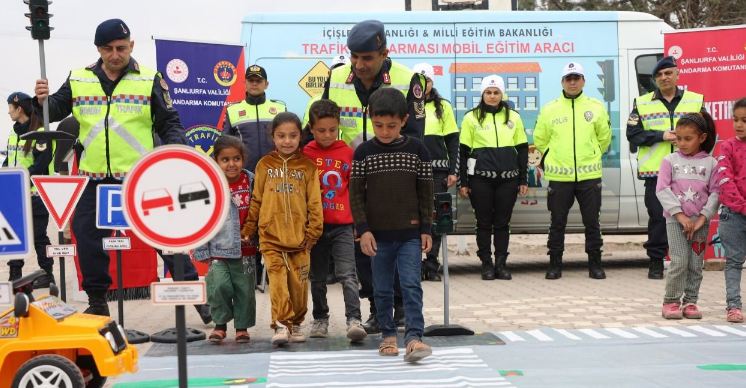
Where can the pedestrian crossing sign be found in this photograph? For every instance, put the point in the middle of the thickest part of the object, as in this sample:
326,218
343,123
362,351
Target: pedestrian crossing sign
16,231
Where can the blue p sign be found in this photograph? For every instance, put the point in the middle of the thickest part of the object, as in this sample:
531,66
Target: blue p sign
109,208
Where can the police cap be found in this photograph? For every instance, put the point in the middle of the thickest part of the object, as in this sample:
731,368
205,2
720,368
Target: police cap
256,71
366,36
664,63
109,30
16,97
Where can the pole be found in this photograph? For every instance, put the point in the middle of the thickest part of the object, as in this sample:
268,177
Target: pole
446,297
45,104
63,288
120,287
180,327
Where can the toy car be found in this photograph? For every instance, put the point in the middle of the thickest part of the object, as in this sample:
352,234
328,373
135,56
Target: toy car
47,343
153,199
193,192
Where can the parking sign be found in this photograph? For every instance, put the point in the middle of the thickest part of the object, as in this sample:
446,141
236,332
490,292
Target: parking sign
16,231
109,208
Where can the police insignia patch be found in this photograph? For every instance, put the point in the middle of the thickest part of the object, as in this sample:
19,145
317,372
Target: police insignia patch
164,84
510,124
417,91
634,119
41,147
272,110
419,109
588,116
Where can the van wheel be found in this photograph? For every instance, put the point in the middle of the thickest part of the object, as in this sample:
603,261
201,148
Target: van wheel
90,372
49,370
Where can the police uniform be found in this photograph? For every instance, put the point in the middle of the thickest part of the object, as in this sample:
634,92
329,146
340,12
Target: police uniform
250,120
117,120
37,158
348,91
651,116
572,134
494,163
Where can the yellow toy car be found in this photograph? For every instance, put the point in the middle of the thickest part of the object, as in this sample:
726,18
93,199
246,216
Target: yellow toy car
47,343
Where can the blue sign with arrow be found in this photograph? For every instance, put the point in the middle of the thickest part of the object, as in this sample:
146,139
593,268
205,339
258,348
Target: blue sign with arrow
16,230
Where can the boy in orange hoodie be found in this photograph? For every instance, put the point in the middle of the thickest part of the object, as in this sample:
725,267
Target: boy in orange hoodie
286,211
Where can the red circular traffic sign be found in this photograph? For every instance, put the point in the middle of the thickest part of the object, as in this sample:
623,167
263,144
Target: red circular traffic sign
175,198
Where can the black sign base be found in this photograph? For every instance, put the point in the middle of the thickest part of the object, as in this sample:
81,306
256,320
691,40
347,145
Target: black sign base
169,336
446,330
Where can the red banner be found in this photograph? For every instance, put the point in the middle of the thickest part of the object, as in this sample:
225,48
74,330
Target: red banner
712,62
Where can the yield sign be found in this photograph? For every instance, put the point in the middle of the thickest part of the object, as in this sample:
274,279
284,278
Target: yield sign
60,194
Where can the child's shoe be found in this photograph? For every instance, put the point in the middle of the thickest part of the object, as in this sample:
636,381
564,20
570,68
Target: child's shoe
734,315
217,336
690,311
319,328
242,337
671,311
281,337
355,331
417,350
296,335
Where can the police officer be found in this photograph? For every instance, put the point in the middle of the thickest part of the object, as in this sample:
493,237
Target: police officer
441,140
650,131
118,104
350,87
37,158
573,132
250,118
494,162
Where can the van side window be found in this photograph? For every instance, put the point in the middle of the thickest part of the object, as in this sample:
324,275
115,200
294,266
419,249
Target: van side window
644,65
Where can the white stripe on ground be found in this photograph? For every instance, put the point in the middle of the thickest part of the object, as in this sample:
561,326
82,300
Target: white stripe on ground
294,369
676,331
373,359
539,335
704,330
621,333
498,380
648,332
732,330
593,333
510,336
367,371
568,334
466,384
350,353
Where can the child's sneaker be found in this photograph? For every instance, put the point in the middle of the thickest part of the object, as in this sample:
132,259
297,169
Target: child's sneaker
671,311
281,337
296,335
734,315
319,328
690,311
355,330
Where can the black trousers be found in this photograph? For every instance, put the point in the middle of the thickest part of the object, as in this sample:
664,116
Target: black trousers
493,201
94,260
40,218
560,197
440,185
657,243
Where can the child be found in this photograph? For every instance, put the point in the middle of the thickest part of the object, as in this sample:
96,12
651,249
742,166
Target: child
286,210
232,274
391,193
688,191
732,167
334,159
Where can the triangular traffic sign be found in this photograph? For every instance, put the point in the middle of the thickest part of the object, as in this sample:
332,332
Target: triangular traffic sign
60,194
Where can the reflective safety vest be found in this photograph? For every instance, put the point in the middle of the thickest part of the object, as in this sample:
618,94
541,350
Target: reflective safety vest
493,142
252,125
573,135
654,116
17,158
355,126
116,130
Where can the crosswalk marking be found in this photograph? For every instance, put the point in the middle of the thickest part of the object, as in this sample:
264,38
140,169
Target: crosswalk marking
512,337
539,335
678,332
704,330
648,332
549,334
620,333
731,330
568,334
593,333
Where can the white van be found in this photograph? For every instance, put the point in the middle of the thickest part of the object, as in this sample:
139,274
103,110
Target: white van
528,49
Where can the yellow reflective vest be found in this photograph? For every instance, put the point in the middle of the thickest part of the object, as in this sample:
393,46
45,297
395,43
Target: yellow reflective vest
654,116
572,135
116,130
17,158
436,129
252,124
493,143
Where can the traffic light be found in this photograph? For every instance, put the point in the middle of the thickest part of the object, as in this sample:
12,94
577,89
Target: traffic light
39,16
607,79
443,220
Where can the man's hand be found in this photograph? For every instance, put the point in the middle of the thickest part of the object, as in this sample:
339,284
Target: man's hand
368,244
669,136
522,190
427,242
451,180
464,192
41,90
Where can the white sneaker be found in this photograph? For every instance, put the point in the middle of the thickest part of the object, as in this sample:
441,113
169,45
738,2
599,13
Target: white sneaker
319,328
355,331
296,335
281,337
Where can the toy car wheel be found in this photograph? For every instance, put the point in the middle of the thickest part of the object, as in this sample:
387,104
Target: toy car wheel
21,305
90,372
49,370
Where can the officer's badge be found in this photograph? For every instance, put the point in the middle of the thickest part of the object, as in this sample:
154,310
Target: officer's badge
588,116
272,110
164,84
417,91
41,147
254,69
15,98
510,124
633,120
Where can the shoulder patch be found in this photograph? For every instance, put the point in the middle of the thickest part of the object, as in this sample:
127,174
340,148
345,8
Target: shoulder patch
278,101
164,85
350,77
633,119
417,91
41,147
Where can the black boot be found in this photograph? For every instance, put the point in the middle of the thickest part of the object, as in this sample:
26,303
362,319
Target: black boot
399,313
46,280
430,268
595,271
488,269
655,271
501,268
16,269
204,312
371,325
97,303
555,267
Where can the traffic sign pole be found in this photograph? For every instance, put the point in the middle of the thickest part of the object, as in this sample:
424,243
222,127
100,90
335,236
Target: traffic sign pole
181,351
63,287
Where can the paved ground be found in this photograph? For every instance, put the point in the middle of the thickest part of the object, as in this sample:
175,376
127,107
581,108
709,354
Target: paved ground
527,307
